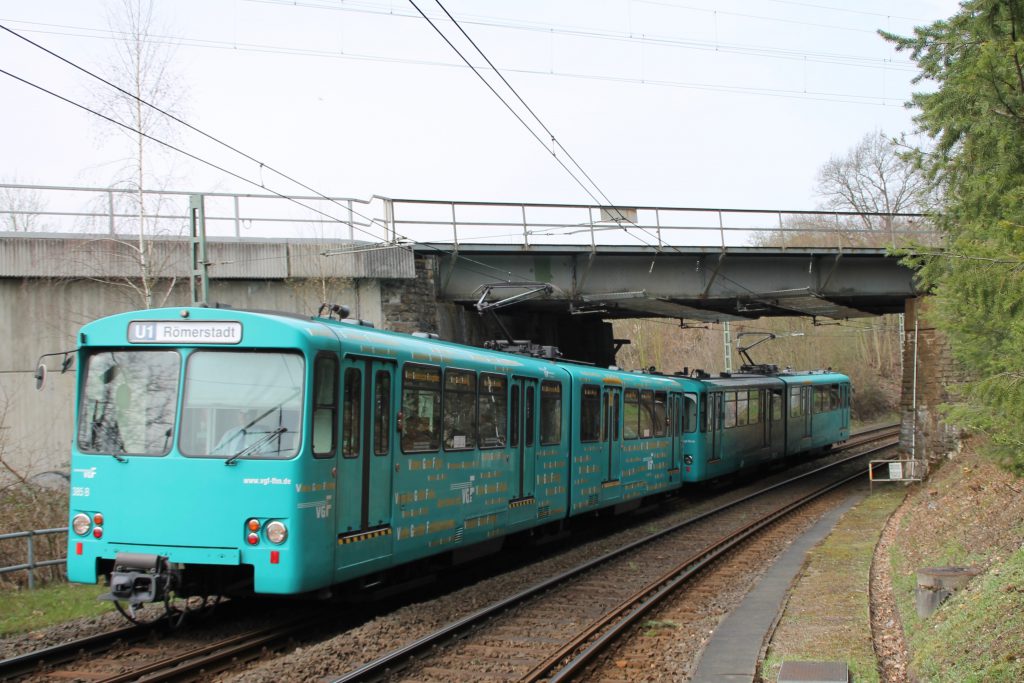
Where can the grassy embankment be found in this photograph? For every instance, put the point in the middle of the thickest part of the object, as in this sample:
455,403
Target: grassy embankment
827,615
27,610
969,513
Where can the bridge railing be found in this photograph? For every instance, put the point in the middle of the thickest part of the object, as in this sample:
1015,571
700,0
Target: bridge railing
528,224
31,562
42,208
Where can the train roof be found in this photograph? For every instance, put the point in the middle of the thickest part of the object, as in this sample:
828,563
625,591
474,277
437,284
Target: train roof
272,329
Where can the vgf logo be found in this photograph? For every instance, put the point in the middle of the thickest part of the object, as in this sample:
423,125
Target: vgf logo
141,332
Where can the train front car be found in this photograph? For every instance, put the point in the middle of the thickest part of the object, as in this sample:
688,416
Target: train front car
185,471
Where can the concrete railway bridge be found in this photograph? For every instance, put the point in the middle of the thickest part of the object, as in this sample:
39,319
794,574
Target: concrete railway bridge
466,271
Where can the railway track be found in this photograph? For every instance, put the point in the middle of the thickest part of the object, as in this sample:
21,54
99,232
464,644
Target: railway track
555,629
116,656
149,652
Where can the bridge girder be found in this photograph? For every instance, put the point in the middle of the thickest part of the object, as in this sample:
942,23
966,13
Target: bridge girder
700,284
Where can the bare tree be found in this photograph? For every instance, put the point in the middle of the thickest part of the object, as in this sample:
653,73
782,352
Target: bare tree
142,67
23,207
872,177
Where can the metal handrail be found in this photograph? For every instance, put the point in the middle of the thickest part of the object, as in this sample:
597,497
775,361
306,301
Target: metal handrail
390,220
32,564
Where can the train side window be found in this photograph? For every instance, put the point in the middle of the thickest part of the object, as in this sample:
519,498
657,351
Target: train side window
776,405
613,401
493,404
729,408
514,436
796,405
742,408
350,412
690,413
605,411
754,399
833,397
459,409
660,413
325,405
822,401
647,417
421,408
550,413
382,413
531,402
631,414
590,413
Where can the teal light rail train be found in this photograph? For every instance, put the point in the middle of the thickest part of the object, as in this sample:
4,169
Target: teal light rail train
224,452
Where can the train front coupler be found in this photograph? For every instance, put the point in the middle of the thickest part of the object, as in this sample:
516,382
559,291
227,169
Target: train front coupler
138,578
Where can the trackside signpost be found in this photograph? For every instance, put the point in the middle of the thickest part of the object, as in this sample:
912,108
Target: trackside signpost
896,470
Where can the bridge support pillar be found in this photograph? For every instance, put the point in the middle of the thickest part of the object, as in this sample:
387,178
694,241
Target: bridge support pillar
928,369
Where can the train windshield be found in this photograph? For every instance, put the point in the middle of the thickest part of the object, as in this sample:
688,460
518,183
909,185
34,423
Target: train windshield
242,404
128,402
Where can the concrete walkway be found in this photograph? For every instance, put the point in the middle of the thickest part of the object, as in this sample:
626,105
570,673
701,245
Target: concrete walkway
732,654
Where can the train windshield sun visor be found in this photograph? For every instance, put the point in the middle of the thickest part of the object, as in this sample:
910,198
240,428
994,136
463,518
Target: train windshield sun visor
128,401
242,404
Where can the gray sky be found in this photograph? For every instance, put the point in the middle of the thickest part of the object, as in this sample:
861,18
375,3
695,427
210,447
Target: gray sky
663,102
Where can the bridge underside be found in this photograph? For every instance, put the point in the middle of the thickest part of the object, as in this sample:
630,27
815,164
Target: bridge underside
564,295
705,285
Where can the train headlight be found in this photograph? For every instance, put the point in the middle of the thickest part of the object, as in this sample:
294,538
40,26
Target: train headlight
98,532
688,459
252,539
277,532
97,519
80,524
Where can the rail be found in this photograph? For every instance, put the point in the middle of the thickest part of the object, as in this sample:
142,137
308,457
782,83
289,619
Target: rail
395,660
32,564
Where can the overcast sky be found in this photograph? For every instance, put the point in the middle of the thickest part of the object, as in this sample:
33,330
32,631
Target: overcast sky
663,102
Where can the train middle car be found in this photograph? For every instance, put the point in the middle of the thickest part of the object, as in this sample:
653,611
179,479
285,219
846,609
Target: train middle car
231,452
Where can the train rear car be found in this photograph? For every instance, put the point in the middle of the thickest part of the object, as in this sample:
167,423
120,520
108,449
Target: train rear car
745,420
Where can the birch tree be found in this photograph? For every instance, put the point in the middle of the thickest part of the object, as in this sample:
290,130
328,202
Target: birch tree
142,67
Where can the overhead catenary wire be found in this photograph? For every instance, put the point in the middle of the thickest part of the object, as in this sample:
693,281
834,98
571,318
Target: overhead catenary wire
782,93
544,127
260,183
609,203
502,99
892,63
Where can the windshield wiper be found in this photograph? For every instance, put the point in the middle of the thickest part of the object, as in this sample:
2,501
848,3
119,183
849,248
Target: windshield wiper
255,445
108,436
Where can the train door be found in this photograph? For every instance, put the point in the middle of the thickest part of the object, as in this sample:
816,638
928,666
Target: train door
844,405
715,415
610,421
364,468
806,399
776,422
523,436
676,427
